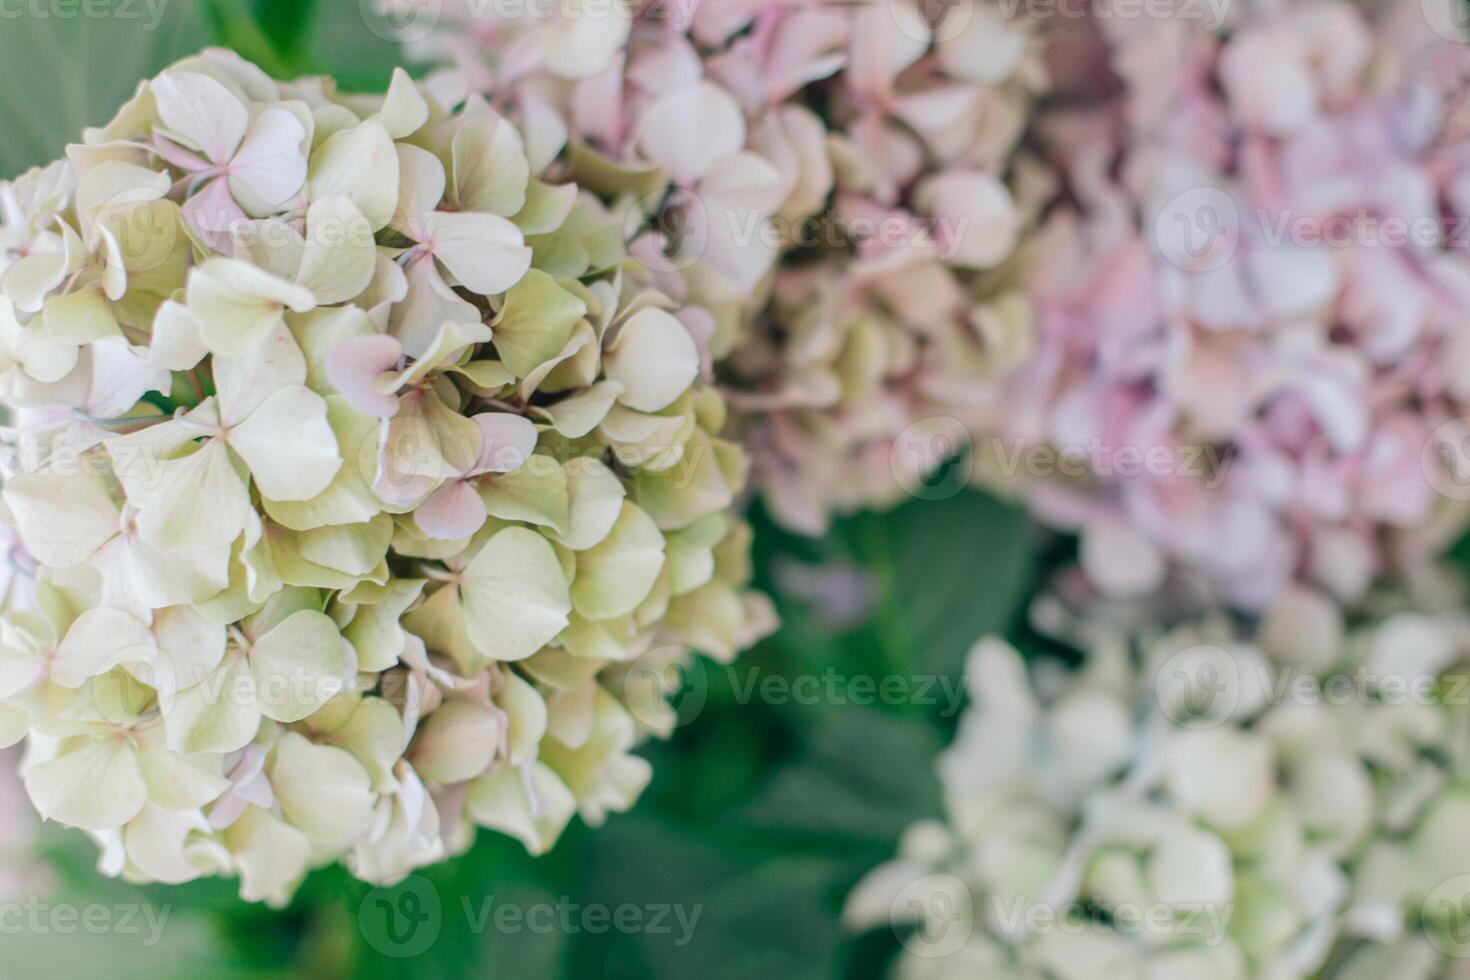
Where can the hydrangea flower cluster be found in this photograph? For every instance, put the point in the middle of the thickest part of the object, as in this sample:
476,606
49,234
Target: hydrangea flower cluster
1199,803
826,186
1250,297
365,480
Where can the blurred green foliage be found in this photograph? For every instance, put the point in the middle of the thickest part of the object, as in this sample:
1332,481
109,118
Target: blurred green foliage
763,811
68,64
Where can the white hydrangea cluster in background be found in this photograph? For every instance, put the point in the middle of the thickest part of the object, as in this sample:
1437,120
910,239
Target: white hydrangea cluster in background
1198,804
360,473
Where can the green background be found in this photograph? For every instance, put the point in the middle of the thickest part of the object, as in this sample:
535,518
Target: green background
761,814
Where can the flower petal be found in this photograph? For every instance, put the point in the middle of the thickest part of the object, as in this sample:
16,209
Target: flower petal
270,167
288,445
97,787
484,252
654,358
514,595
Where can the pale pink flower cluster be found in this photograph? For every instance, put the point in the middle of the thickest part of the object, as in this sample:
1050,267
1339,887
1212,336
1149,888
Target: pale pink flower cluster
826,187
1251,297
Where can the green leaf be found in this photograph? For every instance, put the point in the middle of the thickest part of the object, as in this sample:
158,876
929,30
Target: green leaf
272,48
864,777
749,910
287,23
948,572
360,48
63,74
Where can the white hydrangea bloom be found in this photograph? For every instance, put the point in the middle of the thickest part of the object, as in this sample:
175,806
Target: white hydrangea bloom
1192,805
356,466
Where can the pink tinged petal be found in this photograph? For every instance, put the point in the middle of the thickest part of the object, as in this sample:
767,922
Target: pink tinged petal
977,221
741,249
686,131
270,167
354,366
201,110
742,182
212,213
1118,560
179,156
807,47
453,511
508,441
484,252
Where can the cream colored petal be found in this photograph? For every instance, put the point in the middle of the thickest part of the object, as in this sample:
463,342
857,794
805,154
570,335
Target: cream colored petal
341,254
490,167
596,500
99,640
688,130
654,358
297,666
456,743
271,856
323,791
526,719
288,445
348,499
155,841
360,164
97,786
404,110
429,304
189,645
578,415
202,111
238,304
514,595
375,631
484,252
219,714
420,189
579,43
535,493
198,501
536,322
63,518
500,800
179,782
270,167
177,343
243,382
617,574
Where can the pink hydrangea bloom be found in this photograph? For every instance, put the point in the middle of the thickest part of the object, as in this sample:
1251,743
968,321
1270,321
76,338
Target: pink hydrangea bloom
794,155
1250,297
